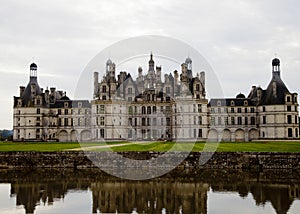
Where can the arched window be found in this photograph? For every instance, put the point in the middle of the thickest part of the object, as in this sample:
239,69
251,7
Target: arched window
143,110
154,109
148,110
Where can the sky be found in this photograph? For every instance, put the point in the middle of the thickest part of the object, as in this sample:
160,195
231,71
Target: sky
238,38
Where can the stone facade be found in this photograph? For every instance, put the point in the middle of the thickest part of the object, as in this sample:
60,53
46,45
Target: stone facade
155,107
49,115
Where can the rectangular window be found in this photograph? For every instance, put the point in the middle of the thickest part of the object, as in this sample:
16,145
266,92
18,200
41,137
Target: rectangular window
199,108
143,121
252,110
252,120
219,110
232,110
239,120
199,120
232,121
226,121
290,132
296,119
297,133
239,110
102,109
200,133
219,121
168,121
289,108
212,121
102,121
289,119
212,110
59,121
154,122
264,120
66,111
59,112
246,110
130,122
38,111
66,122
246,120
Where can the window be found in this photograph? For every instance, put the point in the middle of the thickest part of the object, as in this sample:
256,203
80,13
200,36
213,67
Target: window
197,87
168,109
212,121
195,120
194,107
289,108
252,120
102,133
290,132
38,111
245,103
226,121
246,110
38,118
130,122
38,101
200,133
148,110
252,110
239,110
154,109
212,110
195,133
143,110
66,122
232,121
130,110
246,120
104,89
219,120
59,121
148,121
232,110
219,110
101,121
264,109
129,90
296,119
104,97
199,108
288,99
199,120
143,121
289,119
102,109
264,120
154,122
168,121
66,111
161,109
239,120
72,121
168,90
297,133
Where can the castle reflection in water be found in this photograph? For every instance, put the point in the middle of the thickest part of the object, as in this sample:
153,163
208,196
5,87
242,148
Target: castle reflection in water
185,192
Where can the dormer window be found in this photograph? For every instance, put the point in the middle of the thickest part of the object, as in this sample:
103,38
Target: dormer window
66,104
245,103
288,99
219,103
232,103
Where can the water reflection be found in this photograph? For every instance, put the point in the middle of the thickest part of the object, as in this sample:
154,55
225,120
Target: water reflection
176,192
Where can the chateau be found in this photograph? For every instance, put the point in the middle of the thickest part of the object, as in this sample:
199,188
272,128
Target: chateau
155,107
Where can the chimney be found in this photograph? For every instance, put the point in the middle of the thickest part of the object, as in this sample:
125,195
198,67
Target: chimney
22,89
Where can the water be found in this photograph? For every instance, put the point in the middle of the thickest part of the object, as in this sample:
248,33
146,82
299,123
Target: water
181,191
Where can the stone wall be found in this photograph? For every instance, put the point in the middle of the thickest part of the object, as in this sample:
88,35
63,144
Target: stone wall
218,160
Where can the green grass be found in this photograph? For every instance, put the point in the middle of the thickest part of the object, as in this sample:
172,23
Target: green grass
155,146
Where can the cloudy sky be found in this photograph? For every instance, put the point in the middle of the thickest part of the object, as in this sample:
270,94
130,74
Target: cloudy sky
238,38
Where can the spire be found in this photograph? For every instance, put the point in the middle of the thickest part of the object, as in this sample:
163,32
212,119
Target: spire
151,62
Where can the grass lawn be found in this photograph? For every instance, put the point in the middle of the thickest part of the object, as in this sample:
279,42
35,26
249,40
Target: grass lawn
154,146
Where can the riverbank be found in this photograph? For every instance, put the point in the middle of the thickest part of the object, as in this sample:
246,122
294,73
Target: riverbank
218,160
